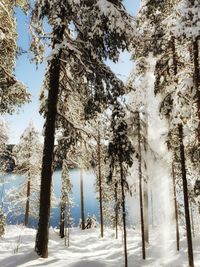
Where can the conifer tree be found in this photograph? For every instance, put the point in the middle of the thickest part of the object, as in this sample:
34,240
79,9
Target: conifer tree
120,152
84,57
28,156
13,94
65,203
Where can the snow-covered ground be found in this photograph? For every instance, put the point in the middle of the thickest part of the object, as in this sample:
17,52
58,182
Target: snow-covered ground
88,250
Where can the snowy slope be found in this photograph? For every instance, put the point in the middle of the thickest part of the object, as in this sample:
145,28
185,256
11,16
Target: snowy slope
88,250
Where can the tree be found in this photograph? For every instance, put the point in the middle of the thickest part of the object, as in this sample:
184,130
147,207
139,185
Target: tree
3,141
82,200
13,94
66,202
120,151
28,157
140,187
100,179
83,56
176,210
105,192
139,109
174,107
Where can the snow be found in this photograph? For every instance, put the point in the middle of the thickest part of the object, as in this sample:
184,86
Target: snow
88,250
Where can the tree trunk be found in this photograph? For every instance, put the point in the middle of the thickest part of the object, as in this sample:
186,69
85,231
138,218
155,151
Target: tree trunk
124,214
176,210
146,215
82,201
100,181
116,211
140,189
62,219
185,193
62,209
67,225
28,192
197,80
175,70
41,246
192,219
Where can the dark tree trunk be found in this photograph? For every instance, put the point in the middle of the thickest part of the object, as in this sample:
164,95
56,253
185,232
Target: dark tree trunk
116,210
41,246
67,226
82,201
141,189
197,80
146,215
124,214
100,181
192,219
28,192
62,219
62,209
176,210
185,193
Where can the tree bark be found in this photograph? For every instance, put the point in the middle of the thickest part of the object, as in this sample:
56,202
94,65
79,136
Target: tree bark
100,181
175,70
116,211
185,194
197,80
67,225
28,192
62,220
192,219
141,189
41,246
176,210
124,214
82,201
146,215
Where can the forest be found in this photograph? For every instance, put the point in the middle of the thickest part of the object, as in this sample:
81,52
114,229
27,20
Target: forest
138,136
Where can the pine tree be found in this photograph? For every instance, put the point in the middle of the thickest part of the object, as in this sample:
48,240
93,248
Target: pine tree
28,157
13,94
65,203
3,142
176,209
120,151
2,223
82,56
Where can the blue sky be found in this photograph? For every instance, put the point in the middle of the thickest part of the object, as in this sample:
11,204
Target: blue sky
32,77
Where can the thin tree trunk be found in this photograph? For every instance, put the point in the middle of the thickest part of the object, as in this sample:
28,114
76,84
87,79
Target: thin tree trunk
67,236
197,80
186,202
82,201
192,219
62,210
140,189
100,182
41,245
116,211
68,223
62,220
146,217
176,210
124,214
28,192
